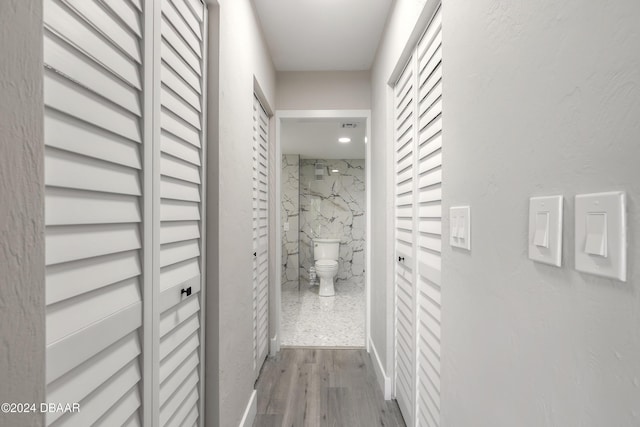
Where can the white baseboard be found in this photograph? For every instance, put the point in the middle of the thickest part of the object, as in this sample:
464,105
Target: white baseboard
250,413
273,346
383,380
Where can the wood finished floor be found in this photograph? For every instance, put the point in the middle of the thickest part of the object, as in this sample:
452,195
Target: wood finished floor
322,387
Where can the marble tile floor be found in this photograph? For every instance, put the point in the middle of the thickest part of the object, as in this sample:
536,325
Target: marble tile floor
312,321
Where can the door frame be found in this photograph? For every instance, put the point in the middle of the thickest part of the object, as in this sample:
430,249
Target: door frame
275,292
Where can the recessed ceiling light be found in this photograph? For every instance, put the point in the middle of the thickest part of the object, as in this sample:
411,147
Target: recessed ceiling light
335,170
344,140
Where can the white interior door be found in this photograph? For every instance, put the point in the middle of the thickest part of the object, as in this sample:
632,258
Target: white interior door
181,211
94,217
429,218
260,236
404,153
124,210
418,231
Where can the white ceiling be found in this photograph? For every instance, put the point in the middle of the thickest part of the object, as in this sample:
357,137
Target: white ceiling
322,35
318,138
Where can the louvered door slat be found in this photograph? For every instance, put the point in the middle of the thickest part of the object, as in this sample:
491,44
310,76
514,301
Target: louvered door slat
181,68
260,235
126,12
180,87
180,46
178,148
184,31
70,98
99,402
65,59
109,27
179,107
429,219
188,16
195,9
125,407
70,134
62,20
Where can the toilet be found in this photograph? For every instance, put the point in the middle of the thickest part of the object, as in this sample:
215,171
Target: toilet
325,254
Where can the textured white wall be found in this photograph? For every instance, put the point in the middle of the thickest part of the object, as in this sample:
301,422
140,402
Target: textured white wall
323,90
22,334
400,25
539,98
243,55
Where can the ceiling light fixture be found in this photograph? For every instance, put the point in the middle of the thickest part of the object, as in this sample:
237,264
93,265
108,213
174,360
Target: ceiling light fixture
335,170
344,140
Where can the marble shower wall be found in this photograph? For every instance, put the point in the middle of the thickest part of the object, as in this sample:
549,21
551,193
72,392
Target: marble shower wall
333,207
290,193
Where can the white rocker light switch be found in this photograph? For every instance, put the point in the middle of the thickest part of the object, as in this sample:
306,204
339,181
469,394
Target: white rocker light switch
542,230
601,234
596,234
545,229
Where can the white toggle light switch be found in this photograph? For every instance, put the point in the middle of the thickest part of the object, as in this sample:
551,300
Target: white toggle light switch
542,230
545,229
460,227
286,226
596,234
454,227
601,234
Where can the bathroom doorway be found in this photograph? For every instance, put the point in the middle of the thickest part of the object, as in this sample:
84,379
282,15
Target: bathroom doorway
321,288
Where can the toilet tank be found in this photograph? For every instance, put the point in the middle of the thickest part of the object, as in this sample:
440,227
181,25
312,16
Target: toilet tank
326,249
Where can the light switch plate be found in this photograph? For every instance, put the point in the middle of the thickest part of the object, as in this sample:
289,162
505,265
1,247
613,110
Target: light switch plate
545,229
601,234
460,227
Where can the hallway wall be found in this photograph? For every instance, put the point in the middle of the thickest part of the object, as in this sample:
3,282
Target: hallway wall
22,299
539,98
243,56
323,90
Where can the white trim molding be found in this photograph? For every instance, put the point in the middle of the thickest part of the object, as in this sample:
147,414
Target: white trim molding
274,346
384,381
250,412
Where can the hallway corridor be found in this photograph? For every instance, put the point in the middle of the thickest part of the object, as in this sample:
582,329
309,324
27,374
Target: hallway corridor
321,387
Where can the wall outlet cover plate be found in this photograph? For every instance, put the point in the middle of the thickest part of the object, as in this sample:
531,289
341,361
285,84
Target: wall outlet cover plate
601,234
545,229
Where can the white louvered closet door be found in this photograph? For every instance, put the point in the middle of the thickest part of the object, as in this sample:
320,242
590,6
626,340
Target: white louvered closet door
94,198
181,211
419,230
260,236
123,172
404,153
429,217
